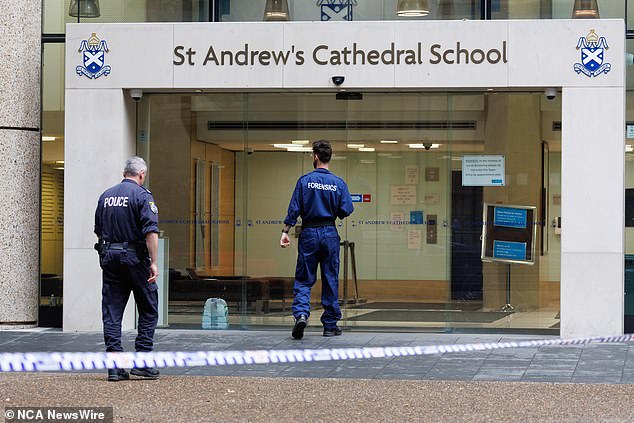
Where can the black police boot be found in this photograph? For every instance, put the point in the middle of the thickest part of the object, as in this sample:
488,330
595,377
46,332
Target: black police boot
300,325
145,372
336,331
115,375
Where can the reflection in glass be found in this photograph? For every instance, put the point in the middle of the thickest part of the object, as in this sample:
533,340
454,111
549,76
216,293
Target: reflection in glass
276,10
412,8
84,8
585,9
446,9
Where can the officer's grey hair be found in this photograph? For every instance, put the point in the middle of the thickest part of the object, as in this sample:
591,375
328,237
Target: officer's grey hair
134,166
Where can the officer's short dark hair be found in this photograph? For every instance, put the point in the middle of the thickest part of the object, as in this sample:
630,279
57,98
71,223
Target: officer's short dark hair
134,166
323,150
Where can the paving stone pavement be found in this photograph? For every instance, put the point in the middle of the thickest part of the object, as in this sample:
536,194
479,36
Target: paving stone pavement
589,363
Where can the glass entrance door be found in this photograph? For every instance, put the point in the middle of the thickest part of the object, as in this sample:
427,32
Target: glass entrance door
398,155
224,167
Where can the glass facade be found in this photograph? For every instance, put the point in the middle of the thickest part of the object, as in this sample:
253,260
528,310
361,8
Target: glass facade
232,184
413,242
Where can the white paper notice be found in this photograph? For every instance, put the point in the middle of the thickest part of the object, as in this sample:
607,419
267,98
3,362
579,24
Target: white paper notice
414,239
397,220
432,198
403,194
482,171
411,174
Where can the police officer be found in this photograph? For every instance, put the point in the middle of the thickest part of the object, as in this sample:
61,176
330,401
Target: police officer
319,198
126,223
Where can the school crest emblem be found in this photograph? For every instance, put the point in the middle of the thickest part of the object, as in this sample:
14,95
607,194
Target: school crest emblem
593,49
336,10
94,58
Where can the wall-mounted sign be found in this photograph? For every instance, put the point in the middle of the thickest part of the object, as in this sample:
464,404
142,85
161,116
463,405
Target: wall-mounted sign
356,198
483,171
431,198
403,194
381,54
397,220
432,174
416,217
414,239
509,233
367,198
411,174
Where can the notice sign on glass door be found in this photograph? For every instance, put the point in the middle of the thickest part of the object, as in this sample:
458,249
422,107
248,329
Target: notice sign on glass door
483,171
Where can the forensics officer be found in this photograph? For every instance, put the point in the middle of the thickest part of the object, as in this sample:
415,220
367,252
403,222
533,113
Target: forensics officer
126,223
319,198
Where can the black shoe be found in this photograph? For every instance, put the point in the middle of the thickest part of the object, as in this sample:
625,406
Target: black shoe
336,331
145,372
300,325
115,375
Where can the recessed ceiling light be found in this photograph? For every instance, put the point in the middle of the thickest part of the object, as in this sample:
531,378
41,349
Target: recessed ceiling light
285,145
298,149
367,149
356,145
300,142
425,145
389,142
49,138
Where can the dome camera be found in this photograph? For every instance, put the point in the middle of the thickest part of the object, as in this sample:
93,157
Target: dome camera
338,80
550,93
136,94
427,145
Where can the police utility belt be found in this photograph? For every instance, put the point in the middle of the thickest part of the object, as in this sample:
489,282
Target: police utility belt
139,247
318,223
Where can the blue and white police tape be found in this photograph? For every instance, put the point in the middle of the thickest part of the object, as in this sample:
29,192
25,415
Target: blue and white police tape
60,361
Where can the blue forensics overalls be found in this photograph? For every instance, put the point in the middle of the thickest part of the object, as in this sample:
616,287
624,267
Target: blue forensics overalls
319,198
125,214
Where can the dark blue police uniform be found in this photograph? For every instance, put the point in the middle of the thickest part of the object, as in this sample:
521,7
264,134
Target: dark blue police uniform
125,214
319,198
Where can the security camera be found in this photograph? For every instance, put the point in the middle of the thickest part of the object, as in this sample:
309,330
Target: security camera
550,93
338,80
136,94
427,145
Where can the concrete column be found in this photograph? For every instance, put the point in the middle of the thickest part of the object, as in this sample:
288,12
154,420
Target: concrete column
592,211
20,35
99,137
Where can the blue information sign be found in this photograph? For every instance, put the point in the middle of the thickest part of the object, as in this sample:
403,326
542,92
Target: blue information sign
416,217
356,198
509,250
509,217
